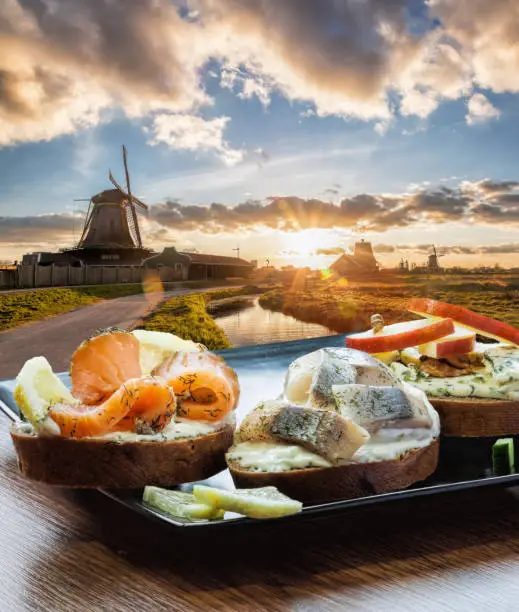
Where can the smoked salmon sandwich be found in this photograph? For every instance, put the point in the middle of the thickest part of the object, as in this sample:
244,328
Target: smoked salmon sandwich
466,363
143,408
345,426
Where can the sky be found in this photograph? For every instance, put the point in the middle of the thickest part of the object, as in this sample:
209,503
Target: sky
288,128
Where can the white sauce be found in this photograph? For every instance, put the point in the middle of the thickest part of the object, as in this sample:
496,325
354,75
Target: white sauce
272,457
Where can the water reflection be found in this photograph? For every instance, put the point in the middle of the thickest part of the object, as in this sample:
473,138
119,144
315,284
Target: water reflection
254,325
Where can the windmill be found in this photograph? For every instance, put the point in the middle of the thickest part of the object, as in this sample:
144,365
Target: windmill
433,265
237,249
112,217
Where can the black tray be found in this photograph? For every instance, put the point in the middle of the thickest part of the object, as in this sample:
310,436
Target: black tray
464,463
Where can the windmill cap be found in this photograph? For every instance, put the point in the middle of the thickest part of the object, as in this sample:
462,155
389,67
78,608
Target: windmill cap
109,195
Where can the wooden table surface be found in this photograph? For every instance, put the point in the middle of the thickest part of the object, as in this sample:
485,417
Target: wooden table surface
66,550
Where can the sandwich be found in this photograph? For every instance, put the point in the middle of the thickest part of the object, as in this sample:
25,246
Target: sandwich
466,363
144,408
344,426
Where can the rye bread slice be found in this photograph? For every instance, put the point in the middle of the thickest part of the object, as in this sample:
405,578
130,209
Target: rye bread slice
477,417
84,463
344,481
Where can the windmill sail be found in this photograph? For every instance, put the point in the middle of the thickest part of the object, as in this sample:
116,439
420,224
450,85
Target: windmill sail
131,204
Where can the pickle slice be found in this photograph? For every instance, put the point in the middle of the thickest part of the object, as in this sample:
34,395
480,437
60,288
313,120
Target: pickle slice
180,504
503,457
261,503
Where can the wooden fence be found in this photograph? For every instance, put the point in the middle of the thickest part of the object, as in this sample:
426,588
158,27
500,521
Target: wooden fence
32,276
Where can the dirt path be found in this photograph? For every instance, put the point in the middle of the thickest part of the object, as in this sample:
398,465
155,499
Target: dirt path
59,336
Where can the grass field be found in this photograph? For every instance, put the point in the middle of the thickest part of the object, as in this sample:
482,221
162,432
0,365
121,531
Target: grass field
346,307
187,316
28,306
17,308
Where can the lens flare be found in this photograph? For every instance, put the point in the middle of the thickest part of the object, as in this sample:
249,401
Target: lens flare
152,287
326,274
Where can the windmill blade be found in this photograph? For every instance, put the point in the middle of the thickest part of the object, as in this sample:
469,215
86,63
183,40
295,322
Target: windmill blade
115,183
126,173
140,203
86,226
131,200
140,211
135,199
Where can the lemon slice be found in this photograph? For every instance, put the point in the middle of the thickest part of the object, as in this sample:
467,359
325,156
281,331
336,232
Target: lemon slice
179,504
261,503
156,347
37,387
387,357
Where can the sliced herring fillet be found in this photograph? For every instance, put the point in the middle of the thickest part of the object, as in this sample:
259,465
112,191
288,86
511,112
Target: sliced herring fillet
310,378
380,406
325,433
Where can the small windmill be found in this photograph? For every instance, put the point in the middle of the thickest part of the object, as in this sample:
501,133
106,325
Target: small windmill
112,216
433,265
237,249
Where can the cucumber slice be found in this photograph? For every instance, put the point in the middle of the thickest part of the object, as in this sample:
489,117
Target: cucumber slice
264,502
503,457
180,504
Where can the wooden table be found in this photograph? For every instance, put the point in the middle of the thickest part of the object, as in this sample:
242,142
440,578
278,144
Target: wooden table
65,550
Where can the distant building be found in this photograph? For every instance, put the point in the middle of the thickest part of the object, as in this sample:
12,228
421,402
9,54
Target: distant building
361,262
177,265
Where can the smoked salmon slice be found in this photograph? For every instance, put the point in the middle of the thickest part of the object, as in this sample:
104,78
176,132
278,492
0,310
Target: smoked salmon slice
205,386
154,406
143,405
102,364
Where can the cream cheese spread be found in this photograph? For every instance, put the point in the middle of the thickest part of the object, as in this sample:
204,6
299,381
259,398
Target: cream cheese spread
274,457
499,379
175,430
388,444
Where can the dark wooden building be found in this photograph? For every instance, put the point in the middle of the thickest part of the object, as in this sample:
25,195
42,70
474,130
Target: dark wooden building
361,263
178,265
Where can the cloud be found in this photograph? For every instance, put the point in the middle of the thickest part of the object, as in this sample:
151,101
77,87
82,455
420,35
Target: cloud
442,204
42,228
490,187
424,249
62,66
501,248
480,110
384,248
483,202
246,85
191,133
330,251
67,66
488,34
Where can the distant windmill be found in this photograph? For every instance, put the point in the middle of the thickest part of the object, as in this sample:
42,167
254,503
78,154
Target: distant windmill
433,265
105,225
237,249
